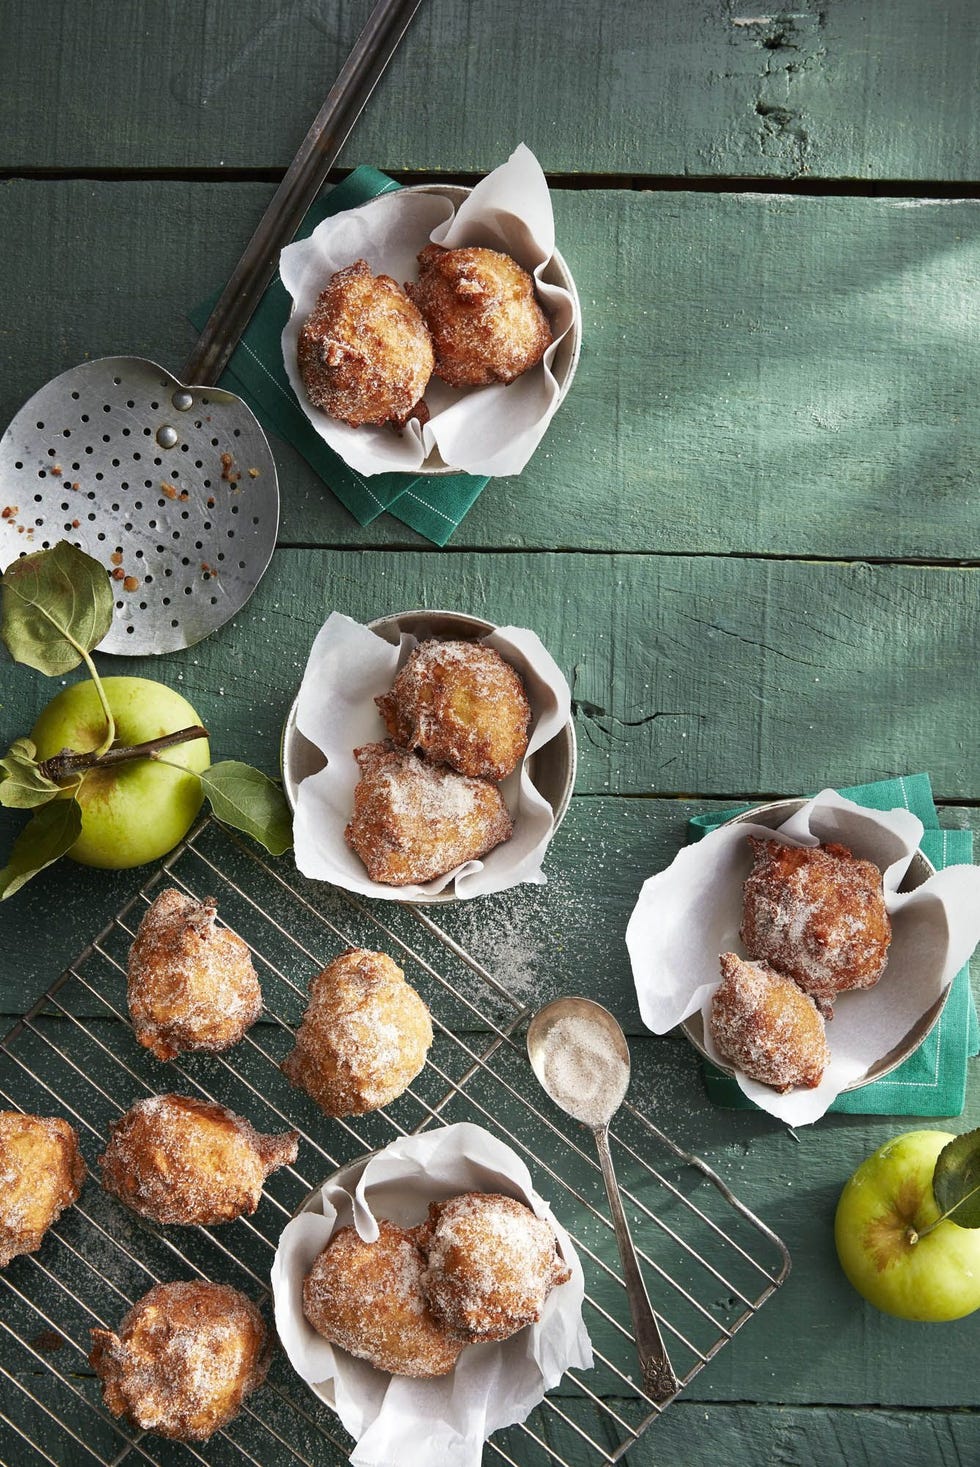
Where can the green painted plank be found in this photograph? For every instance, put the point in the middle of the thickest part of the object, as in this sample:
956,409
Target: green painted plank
788,377
706,676
689,1434
718,88
746,1436
538,942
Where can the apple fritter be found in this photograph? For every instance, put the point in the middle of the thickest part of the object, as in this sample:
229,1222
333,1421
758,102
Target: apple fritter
767,1027
367,1299
175,1159
184,1359
191,985
461,704
490,1264
413,821
817,914
364,1035
484,316
41,1173
365,354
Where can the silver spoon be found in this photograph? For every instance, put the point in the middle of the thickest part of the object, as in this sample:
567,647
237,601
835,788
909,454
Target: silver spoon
580,1055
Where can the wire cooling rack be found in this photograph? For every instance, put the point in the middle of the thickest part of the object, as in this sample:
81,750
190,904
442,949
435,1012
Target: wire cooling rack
709,1263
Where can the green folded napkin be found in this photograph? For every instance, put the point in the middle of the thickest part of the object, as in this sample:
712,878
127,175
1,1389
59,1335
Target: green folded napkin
432,504
932,1081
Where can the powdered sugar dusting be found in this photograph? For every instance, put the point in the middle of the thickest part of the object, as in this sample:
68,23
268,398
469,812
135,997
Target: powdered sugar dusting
364,352
480,305
767,1026
179,1160
491,1264
581,1070
461,704
818,915
190,984
185,1357
367,1298
364,1035
413,821
41,1173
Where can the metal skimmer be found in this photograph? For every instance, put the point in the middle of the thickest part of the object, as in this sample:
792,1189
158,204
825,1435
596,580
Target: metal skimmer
710,1263
185,527
171,483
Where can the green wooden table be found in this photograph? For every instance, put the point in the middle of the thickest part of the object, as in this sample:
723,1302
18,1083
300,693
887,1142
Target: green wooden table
749,537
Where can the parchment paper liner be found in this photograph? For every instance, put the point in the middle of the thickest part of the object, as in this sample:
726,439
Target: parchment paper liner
485,430
399,1422
691,912
347,668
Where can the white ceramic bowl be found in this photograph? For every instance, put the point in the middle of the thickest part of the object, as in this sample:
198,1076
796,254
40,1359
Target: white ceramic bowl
920,869
500,1381
552,768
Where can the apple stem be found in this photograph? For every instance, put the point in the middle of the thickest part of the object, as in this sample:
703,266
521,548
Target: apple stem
68,762
912,1237
110,732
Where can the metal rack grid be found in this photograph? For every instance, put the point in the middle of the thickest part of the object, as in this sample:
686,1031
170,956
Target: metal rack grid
710,1264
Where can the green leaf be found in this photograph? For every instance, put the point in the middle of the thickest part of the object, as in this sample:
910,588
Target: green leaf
248,800
57,606
45,837
956,1180
22,785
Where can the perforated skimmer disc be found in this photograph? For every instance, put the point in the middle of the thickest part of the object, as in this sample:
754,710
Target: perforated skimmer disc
172,488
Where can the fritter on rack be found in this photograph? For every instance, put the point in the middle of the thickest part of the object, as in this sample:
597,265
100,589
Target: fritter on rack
461,704
490,1264
365,354
364,1035
413,821
178,1160
191,985
367,1299
185,1358
41,1173
484,316
817,914
766,1026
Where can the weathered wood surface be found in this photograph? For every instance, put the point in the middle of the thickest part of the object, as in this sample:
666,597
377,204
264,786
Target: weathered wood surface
689,1435
694,90
814,1342
775,390
790,376
726,677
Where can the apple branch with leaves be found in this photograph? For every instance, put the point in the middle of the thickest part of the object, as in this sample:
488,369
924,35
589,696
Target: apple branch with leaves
56,609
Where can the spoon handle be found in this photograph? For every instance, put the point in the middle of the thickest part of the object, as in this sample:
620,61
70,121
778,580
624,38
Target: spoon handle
659,1380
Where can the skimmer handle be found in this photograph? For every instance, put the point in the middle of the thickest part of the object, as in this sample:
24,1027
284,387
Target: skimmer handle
373,49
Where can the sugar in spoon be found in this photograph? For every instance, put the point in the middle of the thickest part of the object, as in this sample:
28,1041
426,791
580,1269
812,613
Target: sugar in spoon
579,1054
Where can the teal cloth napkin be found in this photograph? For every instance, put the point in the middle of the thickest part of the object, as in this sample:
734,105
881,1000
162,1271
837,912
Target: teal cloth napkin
431,504
932,1081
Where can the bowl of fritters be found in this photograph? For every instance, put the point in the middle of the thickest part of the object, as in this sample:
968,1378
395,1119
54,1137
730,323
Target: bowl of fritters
360,1281
550,767
413,356
773,815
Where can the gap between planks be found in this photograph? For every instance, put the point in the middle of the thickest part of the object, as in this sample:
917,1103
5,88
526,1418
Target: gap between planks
415,543
575,182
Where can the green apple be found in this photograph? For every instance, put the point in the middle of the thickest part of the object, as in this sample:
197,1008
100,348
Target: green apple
134,812
886,1241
